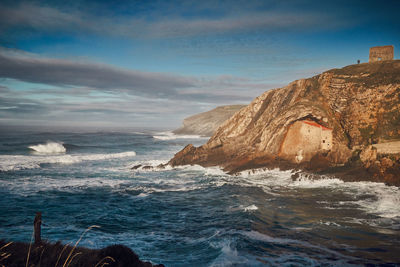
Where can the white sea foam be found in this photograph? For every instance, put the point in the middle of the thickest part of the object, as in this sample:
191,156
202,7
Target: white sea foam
229,255
385,200
214,171
160,185
19,162
171,136
376,198
251,208
322,181
330,223
208,171
49,148
35,184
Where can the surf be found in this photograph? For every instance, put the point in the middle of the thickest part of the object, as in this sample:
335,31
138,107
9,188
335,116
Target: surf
49,148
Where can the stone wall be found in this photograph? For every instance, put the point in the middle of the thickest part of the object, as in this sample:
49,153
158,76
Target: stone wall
380,53
304,139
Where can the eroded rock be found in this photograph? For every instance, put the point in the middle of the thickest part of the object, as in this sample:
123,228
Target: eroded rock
359,103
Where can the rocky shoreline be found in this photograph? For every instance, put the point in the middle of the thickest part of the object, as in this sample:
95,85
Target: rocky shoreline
344,122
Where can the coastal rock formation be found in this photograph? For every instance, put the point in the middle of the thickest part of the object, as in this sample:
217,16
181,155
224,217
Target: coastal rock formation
206,123
327,119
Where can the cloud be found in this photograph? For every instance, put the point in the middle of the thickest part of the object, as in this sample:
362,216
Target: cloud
51,19
104,77
20,107
84,78
66,91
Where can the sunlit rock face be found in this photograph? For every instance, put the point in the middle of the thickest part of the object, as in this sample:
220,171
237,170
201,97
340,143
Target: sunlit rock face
359,104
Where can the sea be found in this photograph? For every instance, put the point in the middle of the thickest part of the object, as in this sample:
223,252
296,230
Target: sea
85,187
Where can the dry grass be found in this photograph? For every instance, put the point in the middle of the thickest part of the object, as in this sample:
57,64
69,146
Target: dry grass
62,251
103,261
67,262
14,254
29,251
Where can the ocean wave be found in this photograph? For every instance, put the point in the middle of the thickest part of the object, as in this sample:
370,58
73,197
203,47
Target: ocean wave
229,255
20,162
373,198
49,148
384,200
29,186
257,236
376,198
154,166
171,136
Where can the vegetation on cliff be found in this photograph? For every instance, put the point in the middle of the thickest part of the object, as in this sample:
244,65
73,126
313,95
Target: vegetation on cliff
360,103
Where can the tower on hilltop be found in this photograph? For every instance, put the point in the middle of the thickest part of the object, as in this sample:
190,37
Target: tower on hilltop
380,53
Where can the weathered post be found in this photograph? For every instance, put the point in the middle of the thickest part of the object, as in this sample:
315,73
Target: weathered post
37,228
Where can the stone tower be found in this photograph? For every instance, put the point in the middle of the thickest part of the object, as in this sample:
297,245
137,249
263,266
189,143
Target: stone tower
379,53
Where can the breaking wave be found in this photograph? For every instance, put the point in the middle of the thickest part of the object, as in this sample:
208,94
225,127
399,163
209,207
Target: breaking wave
20,162
375,198
49,148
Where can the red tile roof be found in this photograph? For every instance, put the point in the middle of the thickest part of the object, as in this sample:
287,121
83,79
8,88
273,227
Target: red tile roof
312,123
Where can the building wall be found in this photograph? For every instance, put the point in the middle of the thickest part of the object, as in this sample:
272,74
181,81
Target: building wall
303,141
326,139
379,53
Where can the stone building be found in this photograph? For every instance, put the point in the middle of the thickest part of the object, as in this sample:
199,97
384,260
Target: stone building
379,53
305,139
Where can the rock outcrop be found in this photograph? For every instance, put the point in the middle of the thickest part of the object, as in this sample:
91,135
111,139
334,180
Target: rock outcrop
14,254
359,104
207,123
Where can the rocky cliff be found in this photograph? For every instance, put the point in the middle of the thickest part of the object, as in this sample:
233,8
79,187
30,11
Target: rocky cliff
359,104
207,123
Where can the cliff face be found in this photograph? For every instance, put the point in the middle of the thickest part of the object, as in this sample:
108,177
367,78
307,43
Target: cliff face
359,103
207,123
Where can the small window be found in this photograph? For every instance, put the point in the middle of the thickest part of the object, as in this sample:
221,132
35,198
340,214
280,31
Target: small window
323,141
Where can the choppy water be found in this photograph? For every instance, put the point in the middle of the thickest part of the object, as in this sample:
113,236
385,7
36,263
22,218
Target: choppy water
189,215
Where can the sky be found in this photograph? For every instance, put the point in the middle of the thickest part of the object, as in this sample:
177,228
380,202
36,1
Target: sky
149,64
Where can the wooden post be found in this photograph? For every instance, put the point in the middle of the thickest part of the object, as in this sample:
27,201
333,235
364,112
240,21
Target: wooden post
37,228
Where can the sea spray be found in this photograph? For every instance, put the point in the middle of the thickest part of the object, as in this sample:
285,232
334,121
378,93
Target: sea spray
49,148
20,162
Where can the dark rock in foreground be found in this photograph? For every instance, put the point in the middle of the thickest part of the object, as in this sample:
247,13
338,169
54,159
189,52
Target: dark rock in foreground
57,254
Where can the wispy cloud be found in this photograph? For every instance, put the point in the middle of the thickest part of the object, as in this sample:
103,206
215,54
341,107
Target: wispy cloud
75,76
67,90
104,77
52,19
